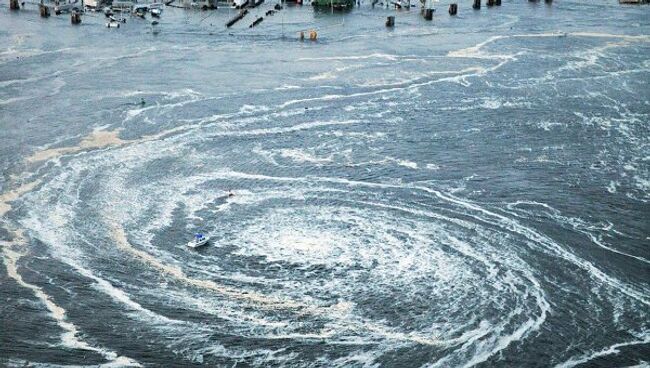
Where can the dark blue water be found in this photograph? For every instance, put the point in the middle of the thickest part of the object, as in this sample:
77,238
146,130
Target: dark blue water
472,191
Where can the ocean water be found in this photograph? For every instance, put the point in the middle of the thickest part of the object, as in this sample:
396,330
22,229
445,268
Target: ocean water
471,191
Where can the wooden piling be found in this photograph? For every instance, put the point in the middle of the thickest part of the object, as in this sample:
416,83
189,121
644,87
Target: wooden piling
256,22
43,10
489,3
237,18
497,2
75,17
453,9
14,5
390,21
477,4
428,14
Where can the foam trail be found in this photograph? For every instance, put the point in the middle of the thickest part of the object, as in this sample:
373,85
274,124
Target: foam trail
12,195
541,239
501,220
10,259
555,214
97,139
290,129
69,337
122,242
610,350
475,51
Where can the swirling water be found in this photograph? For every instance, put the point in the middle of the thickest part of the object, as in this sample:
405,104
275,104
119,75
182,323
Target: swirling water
471,191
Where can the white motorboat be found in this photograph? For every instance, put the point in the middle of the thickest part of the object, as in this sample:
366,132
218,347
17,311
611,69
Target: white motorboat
156,12
198,241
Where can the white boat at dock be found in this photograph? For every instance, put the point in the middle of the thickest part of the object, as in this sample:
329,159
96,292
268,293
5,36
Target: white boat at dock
154,8
123,5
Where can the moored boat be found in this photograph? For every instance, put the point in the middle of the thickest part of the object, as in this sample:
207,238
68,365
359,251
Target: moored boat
335,4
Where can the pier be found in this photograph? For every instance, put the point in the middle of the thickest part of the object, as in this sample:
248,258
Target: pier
77,8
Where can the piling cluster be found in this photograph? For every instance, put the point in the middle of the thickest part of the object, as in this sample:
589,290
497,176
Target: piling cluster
427,10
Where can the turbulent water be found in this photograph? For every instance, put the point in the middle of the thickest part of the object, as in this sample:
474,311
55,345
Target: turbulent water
472,191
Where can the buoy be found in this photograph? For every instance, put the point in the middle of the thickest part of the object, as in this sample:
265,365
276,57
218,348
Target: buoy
390,21
453,9
477,4
313,35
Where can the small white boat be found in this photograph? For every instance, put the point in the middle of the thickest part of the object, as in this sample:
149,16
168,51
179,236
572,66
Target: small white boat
156,12
199,240
112,24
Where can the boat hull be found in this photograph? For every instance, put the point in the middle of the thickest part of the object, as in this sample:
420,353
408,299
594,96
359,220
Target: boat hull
197,244
337,4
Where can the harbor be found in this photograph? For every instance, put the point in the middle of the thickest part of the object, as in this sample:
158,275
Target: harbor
255,11
117,12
